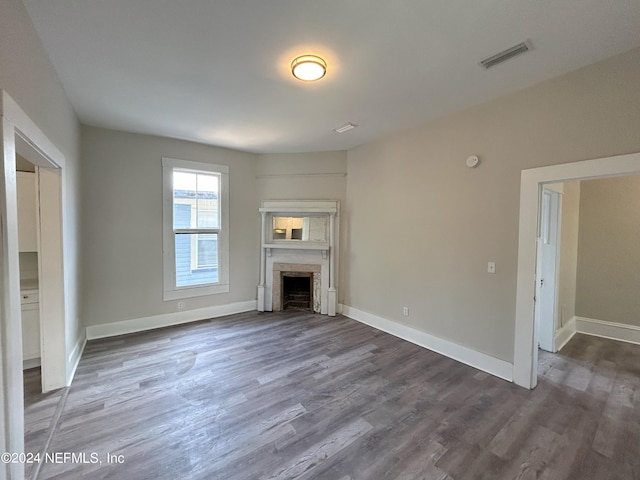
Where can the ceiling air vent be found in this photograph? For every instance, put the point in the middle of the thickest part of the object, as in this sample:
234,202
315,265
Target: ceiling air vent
345,127
504,55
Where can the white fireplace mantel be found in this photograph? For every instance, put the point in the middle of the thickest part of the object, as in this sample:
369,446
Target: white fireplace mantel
318,256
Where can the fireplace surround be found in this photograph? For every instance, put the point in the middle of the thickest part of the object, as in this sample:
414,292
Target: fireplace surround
299,237
281,269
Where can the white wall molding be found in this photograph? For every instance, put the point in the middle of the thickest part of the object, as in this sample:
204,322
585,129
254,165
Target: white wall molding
612,330
167,319
566,333
75,356
31,363
478,360
300,175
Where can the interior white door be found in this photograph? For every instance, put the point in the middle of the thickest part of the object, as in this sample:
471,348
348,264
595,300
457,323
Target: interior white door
546,276
53,328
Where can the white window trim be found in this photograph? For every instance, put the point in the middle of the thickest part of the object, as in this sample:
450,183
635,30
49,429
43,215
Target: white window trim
195,247
171,292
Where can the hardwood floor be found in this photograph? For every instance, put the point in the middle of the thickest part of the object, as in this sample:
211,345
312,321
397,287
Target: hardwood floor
294,395
41,412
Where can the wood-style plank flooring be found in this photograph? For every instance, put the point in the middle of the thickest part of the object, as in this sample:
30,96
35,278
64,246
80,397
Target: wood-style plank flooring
40,414
305,396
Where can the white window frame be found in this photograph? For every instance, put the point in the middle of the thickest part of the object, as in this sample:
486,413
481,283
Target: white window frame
194,257
171,291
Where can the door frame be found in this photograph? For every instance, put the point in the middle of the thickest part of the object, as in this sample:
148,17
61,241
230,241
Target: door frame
20,133
525,368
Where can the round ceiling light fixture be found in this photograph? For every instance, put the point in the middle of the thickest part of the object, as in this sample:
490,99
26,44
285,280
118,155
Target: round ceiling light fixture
308,68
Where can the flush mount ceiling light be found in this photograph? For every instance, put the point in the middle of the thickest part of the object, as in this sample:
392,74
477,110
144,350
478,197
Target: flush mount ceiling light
308,68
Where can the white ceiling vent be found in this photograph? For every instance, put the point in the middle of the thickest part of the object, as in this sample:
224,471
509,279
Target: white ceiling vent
505,55
344,128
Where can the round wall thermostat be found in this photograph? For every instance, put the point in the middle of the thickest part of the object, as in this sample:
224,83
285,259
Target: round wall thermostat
473,161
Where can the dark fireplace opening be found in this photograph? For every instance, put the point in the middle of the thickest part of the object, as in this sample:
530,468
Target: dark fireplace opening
297,291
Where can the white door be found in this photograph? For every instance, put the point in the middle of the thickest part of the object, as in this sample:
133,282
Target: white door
546,273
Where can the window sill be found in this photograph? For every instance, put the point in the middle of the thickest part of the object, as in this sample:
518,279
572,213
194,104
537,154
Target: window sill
199,291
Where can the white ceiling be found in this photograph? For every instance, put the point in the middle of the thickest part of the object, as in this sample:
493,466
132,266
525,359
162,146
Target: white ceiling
217,71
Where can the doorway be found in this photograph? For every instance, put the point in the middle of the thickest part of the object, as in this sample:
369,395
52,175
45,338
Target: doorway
20,135
48,223
26,188
525,367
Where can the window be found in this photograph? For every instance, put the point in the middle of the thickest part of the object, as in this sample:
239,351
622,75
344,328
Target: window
195,225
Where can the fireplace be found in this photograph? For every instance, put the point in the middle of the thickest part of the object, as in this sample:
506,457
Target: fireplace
298,256
299,276
297,291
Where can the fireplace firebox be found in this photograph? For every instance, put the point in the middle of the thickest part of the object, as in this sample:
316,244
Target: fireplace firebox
297,291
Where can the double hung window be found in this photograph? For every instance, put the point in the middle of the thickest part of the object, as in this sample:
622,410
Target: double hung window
195,224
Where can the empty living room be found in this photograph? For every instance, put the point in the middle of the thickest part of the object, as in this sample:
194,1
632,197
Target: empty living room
320,240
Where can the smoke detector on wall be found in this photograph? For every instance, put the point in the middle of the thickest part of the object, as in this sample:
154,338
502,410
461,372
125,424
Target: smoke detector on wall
473,161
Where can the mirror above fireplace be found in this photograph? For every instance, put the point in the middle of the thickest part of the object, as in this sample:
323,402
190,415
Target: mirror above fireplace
300,228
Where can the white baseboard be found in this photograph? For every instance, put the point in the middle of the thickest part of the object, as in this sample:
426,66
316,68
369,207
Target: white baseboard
165,320
30,363
612,330
481,361
75,356
566,333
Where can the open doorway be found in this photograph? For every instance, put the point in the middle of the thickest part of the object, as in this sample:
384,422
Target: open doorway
27,204
532,186
42,301
20,136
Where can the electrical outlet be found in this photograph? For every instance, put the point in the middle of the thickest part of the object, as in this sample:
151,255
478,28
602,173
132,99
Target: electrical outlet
405,311
491,267
180,306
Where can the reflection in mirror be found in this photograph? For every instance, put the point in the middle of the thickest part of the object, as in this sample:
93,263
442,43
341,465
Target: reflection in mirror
306,229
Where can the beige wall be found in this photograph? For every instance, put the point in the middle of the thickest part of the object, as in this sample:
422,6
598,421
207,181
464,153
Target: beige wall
301,176
122,224
442,222
27,74
123,213
608,282
566,304
306,176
